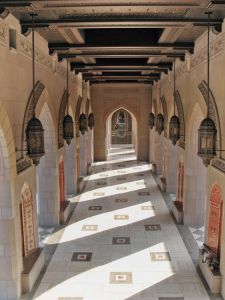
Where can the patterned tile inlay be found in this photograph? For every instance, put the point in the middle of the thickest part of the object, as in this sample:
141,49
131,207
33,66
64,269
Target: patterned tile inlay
120,277
147,207
101,183
121,188
89,227
81,256
70,298
104,175
160,256
121,178
141,183
121,200
152,227
171,298
98,194
143,193
121,241
121,172
95,207
121,217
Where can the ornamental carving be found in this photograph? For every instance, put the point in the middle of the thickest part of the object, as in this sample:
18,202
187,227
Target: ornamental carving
3,33
215,212
62,112
165,114
180,111
27,220
213,113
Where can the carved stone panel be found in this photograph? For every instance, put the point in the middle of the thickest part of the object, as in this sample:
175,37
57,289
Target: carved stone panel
27,220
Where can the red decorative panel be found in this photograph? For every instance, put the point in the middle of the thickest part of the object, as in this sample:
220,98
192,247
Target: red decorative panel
215,218
61,182
27,220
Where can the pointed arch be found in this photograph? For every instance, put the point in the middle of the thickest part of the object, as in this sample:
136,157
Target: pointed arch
165,114
213,112
180,112
24,162
62,111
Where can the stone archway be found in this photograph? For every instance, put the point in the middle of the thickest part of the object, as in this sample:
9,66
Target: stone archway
134,139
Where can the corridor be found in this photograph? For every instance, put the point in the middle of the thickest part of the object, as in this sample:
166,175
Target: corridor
121,241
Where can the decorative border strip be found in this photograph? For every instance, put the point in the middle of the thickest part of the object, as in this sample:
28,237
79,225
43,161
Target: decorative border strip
218,164
23,164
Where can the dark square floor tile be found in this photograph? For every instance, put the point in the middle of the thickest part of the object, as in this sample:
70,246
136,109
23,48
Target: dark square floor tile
89,227
82,256
120,277
121,217
152,227
95,207
99,194
171,298
143,193
121,241
121,188
160,256
147,207
121,200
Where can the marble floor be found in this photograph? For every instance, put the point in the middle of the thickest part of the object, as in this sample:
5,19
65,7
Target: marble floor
121,241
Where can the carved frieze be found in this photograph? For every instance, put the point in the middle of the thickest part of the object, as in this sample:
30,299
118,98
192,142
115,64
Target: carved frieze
218,164
23,164
3,33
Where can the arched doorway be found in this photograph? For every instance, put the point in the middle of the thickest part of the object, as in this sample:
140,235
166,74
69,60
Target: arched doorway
195,193
121,129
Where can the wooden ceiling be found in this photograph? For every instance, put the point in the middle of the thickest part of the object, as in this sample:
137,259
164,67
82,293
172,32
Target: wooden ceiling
118,40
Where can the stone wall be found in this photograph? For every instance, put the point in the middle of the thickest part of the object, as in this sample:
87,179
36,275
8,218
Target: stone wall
107,98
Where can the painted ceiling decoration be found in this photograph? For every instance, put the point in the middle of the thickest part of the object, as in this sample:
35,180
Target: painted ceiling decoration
118,41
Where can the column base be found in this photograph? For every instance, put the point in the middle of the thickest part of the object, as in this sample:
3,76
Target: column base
162,183
89,169
213,278
177,210
65,212
80,186
33,264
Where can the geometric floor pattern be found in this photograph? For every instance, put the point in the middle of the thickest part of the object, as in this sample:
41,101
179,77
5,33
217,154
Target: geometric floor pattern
130,249
198,234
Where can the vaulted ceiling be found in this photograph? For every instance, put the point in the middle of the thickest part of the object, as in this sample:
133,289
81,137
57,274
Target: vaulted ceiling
118,40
